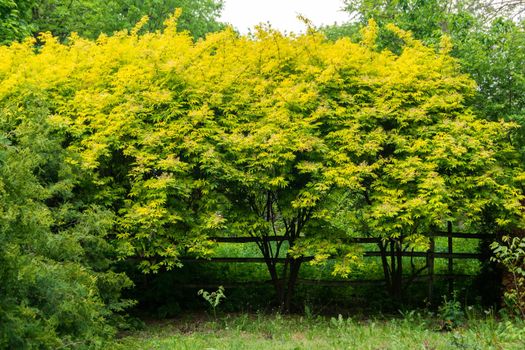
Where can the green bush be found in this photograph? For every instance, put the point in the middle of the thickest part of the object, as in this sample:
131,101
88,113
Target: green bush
511,254
57,289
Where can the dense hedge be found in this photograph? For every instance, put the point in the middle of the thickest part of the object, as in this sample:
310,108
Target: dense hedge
152,143
57,289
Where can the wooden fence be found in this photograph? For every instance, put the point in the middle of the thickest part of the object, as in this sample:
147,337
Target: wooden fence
431,254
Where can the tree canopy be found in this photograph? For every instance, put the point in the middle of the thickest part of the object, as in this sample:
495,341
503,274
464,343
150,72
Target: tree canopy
90,18
14,20
268,135
487,39
133,133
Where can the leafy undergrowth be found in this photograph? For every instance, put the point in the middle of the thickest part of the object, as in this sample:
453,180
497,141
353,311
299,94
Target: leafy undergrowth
258,331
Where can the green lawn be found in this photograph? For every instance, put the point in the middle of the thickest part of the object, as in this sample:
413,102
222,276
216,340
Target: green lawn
295,332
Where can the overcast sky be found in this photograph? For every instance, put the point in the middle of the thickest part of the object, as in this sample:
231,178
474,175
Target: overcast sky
282,14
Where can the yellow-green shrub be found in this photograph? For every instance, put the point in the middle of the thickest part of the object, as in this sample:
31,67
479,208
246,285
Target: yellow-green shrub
261,135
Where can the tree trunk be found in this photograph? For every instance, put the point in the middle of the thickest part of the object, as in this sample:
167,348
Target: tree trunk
393,271
294,266
397,290
284,284
384,263
276,281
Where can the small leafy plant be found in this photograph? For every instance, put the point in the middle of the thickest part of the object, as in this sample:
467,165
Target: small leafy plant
511,254
451,313
213,298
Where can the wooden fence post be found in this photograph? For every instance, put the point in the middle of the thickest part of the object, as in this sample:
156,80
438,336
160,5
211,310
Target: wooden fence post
392,274
430,264
450,259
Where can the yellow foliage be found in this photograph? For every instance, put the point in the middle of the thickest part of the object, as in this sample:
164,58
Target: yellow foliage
260,113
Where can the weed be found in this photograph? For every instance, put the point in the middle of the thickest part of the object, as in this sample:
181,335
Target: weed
213,298
451,314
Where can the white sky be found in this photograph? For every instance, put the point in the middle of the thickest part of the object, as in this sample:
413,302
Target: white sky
282,14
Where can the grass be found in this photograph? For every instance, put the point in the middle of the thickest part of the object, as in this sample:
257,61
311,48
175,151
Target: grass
275,332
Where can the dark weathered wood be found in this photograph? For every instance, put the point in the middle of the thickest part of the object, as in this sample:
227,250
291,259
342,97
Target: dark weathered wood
308,258
463,235
311,282
338,283
455,276
283,238
430,267
247,239
430,256
424,278
225,285
237,260
348,240
363,240
436,255
343,283
450,267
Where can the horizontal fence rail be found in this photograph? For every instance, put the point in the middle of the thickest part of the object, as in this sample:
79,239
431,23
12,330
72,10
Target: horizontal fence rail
347,240
309,258
312,282
430,255
437,255
464,235
283,238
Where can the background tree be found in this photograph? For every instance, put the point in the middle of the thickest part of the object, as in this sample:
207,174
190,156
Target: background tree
493,57
487,36
90,18
15,20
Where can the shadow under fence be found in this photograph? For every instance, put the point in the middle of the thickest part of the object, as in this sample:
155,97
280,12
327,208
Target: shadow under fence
404,275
